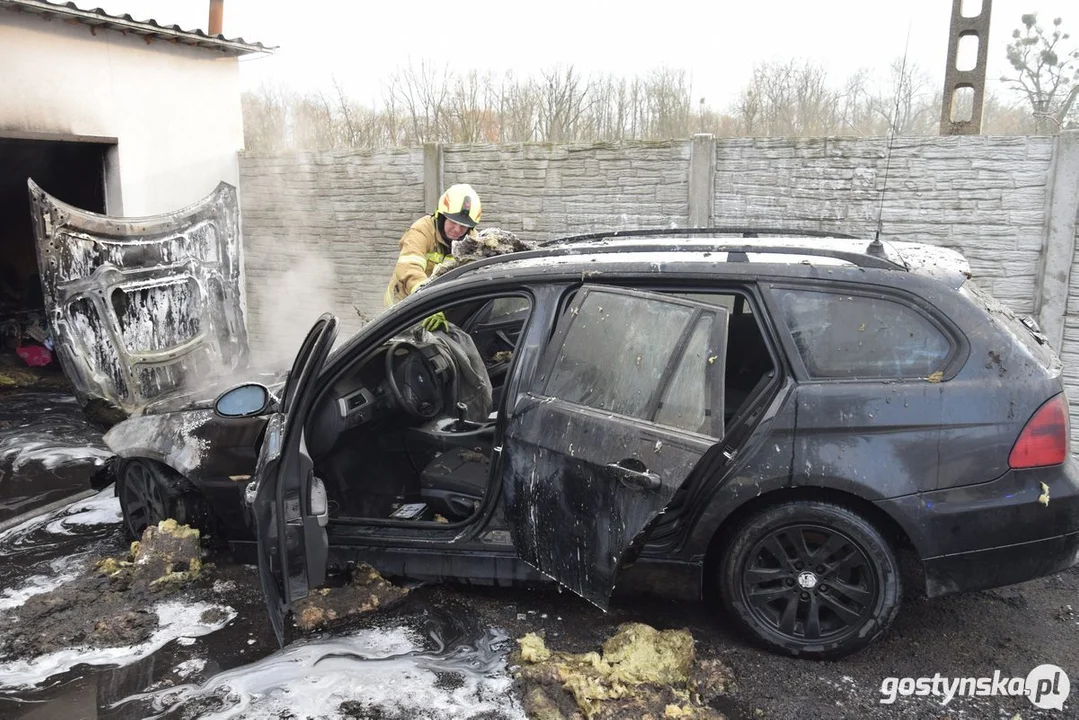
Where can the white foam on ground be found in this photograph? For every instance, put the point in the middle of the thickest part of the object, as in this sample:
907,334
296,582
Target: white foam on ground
175,619
382,670
51,452
190,667
100,509
64,570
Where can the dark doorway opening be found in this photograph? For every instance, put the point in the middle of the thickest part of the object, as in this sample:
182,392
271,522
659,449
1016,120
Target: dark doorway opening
75,173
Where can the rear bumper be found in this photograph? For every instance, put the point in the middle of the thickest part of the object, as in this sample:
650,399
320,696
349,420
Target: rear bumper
995,533
999,566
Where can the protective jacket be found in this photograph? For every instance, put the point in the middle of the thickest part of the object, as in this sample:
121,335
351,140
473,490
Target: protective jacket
422,249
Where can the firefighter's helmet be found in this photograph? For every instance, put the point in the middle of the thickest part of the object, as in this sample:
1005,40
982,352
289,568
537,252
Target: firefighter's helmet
461,204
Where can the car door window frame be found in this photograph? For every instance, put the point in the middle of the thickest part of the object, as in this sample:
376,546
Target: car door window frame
560,332
959,346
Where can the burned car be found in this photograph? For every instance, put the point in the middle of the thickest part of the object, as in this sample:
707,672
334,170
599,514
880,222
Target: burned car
765,420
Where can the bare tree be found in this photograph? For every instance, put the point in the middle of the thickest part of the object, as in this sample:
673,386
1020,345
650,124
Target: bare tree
471,113
265,115
563,101
518,110
422,94
905,104
1005,117
1046,72
668,103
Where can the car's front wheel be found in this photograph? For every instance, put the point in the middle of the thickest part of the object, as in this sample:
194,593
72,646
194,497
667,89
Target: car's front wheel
810,579
149,493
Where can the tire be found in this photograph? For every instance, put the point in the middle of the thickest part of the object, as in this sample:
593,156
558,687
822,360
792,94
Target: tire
843,573
149,493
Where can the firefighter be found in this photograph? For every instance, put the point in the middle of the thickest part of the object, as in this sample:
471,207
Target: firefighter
427,243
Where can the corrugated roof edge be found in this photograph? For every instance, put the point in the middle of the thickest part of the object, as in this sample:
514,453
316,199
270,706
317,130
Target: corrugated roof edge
151,28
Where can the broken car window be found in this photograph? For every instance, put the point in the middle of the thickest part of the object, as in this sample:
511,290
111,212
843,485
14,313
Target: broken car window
616,351
855,336
686,401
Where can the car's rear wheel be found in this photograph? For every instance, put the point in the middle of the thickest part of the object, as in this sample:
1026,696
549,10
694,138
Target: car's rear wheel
810,579
149,493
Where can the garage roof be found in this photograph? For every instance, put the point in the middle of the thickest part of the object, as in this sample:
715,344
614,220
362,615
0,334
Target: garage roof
150,30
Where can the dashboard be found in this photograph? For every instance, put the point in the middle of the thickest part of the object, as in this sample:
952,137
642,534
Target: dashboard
362,395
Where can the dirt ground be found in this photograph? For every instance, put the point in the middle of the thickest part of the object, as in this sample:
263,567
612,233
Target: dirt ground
1011,630
467,633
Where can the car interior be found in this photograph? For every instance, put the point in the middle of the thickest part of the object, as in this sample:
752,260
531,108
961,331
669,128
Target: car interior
399,436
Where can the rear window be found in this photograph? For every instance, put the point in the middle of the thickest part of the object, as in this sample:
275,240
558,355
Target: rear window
841,335
1033,340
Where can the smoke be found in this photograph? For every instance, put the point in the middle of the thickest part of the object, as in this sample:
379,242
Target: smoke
283,306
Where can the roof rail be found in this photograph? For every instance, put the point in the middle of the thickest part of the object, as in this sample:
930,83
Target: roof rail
746,232
734,247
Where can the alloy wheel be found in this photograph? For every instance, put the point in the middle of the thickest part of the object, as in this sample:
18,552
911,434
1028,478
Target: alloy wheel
143,497
809,583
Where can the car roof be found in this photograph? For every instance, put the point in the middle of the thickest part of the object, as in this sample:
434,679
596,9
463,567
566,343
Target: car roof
687,249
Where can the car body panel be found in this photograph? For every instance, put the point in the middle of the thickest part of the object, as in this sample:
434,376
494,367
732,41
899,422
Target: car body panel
183,441
992,521
142,307
581,483
763,464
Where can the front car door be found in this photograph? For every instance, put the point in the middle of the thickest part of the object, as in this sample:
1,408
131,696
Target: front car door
289,502
140,308
626,401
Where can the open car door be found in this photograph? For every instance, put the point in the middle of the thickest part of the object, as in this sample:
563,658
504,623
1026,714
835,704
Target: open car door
289,502
143,307
627,399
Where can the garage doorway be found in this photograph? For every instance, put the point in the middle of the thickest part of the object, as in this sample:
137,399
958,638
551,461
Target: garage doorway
75,173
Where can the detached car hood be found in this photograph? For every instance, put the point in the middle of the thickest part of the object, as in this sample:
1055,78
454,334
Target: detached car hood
143,309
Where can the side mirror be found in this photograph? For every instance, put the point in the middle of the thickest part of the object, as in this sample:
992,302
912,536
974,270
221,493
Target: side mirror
243,401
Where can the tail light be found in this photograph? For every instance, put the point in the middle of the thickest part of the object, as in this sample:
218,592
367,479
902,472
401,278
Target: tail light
1044,440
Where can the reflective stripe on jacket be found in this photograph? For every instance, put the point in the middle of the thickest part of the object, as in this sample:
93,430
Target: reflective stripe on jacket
421,251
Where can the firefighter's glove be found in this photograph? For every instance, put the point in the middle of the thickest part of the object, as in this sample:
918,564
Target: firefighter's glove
435,322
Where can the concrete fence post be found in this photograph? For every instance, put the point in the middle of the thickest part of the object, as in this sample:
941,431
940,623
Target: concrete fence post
1058,240
432,175
702,180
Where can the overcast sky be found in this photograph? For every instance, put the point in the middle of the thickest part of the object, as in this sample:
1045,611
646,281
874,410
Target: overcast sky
361,42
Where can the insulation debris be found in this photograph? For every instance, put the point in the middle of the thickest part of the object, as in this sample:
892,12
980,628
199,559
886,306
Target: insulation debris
107,604
366,591
486,243
641,673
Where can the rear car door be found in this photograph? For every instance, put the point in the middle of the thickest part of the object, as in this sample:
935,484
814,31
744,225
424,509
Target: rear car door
140,308
288,501
627,399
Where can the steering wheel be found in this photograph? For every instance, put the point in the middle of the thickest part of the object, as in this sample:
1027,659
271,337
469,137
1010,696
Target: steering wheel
417,391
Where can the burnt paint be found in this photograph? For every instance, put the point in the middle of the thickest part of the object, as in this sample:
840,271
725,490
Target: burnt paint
760,466
197,443
142,307
571,517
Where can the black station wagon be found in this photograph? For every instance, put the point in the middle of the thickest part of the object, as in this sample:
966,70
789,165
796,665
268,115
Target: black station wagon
765,420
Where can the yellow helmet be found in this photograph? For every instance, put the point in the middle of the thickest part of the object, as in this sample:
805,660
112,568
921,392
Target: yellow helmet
461,204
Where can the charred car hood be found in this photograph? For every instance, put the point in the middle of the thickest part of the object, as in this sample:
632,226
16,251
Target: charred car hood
143,309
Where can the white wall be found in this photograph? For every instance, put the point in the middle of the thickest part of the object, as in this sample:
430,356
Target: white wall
174,109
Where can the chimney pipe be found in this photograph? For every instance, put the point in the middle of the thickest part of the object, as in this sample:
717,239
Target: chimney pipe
217,12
